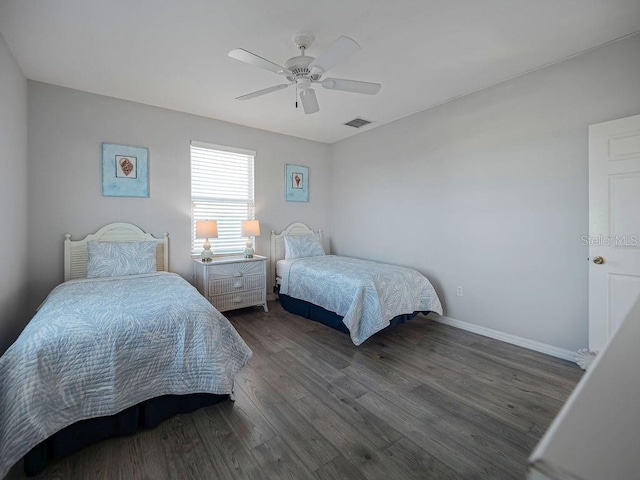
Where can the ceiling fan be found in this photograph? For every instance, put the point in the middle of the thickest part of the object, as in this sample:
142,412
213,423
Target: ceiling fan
303,71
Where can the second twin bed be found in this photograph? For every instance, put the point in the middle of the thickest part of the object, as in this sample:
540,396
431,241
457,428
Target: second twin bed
358,297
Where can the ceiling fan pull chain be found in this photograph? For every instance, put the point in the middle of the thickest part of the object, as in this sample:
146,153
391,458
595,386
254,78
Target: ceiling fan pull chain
296,95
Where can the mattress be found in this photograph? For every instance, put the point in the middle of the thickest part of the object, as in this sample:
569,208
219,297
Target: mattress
282,266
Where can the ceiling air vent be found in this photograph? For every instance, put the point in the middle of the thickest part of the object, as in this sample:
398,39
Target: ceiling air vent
358,122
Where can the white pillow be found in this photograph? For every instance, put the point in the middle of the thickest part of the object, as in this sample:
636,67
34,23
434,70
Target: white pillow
114,259
300,246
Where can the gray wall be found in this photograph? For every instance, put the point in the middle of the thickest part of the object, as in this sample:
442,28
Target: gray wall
66,129
13,197
489,192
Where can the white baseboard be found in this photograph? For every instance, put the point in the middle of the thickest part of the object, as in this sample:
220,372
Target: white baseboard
507,337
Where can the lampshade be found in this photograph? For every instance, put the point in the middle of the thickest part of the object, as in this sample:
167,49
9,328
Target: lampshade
206,229
250,228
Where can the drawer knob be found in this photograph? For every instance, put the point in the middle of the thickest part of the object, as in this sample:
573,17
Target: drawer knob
237,274
237,284
237,299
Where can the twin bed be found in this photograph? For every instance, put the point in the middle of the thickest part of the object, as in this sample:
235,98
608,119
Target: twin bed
129,347
354,296
123,343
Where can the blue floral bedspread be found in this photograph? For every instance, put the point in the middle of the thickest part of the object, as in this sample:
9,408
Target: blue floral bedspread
367,294
99,346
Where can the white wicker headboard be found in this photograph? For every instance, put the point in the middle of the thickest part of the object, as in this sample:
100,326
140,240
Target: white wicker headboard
277,242
75,251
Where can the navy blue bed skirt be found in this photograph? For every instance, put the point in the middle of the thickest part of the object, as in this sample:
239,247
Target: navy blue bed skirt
147,414
331,319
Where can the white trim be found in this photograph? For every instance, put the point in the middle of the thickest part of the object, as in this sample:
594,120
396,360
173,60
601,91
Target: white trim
507,337
585,357
224,148
222,189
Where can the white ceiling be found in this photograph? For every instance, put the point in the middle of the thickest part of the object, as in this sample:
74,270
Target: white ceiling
173,54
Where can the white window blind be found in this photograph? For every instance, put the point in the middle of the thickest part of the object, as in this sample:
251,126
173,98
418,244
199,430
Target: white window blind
222,189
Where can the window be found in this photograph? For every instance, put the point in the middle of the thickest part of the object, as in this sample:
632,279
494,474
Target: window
222,190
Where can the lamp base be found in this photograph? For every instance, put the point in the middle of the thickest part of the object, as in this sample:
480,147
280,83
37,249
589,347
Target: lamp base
248,250
207,254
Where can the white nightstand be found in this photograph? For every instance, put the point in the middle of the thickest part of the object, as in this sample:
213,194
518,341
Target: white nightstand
233,282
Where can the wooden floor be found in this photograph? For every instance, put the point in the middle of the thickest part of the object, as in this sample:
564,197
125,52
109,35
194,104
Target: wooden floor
423,400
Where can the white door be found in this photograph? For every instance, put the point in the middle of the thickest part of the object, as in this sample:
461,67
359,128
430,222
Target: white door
614,225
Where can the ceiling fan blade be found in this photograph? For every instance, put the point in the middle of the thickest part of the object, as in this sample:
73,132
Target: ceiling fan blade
353,86
309,101
342,48
253,59
264,91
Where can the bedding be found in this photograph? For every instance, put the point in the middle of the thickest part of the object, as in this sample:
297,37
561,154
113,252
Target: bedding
368,295
99,346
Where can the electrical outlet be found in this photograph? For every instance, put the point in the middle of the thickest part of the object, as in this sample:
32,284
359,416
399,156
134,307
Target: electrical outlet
460,292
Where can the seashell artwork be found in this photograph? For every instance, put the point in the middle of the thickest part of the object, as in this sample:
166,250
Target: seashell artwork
125,171
296,183
126,166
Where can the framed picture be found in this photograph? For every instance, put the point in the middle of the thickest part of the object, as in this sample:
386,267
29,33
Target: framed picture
125,171
296,183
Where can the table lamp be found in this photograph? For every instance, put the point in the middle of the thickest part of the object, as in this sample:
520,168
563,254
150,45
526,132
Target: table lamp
250,228
206,229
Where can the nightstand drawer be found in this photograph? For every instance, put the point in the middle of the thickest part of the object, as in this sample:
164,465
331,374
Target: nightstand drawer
219,286
236,270
236,300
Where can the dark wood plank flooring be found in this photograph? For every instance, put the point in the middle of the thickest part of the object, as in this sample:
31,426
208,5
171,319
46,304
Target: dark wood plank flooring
423,400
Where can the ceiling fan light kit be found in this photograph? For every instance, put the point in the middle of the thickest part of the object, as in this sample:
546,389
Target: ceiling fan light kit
303,71
309,101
